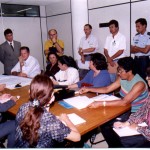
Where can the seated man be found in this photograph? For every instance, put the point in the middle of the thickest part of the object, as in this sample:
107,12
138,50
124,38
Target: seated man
7,128
141,116
28,66
133,90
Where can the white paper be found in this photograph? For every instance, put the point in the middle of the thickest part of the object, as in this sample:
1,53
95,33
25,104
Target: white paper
105,97
11,81
79,102
83,66
7,99
75,119
126,131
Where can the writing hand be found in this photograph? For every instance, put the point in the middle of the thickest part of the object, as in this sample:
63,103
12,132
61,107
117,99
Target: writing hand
94,105
2,87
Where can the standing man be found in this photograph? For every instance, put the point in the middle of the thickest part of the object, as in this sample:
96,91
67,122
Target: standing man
141,47
115,48
53,44
9,52
88,45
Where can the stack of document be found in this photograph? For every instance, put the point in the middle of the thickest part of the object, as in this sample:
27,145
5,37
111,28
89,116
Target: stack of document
81,102
12,81
75,119
126,131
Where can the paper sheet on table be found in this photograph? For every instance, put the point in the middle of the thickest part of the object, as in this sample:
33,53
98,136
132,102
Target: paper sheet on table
75,119
7,99
79,102
126,131
11,81
105,97
83,66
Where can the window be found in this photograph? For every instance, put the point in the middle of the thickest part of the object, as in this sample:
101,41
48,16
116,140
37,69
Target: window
13,10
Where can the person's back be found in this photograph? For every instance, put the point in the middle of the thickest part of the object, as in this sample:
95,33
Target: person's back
35,125
51,129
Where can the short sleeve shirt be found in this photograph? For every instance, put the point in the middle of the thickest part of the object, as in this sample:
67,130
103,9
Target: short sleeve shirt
49,44
90,42
116,43
141,40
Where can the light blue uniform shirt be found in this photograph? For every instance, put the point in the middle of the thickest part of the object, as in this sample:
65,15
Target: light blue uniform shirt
141,40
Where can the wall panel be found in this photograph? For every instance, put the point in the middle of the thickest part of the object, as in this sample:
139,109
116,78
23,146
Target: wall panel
104,15
62,23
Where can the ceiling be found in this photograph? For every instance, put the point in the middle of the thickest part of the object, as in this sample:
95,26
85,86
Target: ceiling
31,2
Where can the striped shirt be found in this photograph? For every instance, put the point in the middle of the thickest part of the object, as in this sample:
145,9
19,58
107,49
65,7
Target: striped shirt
126,87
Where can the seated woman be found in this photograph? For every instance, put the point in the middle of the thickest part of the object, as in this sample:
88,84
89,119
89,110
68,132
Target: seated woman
142,116
7,129
98,76
68,73
52,68
36,126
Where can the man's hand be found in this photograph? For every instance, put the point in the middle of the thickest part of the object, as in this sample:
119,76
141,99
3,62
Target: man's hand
54,40
2,87
21,74
83,59
5,96
21,61
14,98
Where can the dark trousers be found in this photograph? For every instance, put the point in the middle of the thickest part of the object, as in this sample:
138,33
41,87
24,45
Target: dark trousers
8,129
134,141
83,72
112,139
141,64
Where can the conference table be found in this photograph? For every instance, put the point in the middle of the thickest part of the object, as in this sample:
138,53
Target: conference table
94,117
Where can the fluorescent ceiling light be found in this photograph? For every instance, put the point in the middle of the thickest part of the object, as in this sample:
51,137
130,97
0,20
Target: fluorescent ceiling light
24,10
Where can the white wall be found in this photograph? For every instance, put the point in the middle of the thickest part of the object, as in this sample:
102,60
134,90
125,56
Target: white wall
104,15
102,3
136,14
59,18
62,23
56,8
26,30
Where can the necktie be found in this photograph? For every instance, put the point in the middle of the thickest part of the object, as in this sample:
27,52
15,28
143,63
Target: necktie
11,46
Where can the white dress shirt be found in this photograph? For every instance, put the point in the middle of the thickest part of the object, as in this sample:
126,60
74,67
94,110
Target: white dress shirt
115,44
67,77
90,42
31,67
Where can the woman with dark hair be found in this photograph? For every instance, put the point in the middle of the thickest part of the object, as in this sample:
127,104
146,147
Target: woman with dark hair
68,73
98,76
36,126
52,68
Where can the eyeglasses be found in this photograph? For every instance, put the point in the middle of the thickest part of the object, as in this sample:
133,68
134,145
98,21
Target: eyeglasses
52,34
119,70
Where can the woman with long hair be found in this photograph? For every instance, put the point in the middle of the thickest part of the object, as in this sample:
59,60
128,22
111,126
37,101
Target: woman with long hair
68,73
36,126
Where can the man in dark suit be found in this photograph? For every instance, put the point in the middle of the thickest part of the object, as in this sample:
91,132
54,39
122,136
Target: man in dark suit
7,128
9,52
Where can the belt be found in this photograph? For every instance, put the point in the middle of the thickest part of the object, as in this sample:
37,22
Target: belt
141,56
87,55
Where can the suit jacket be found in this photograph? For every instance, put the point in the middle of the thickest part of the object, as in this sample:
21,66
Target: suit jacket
5,106
9,57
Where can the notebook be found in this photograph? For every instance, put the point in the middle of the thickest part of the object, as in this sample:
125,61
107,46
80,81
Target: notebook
126,131
81,102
